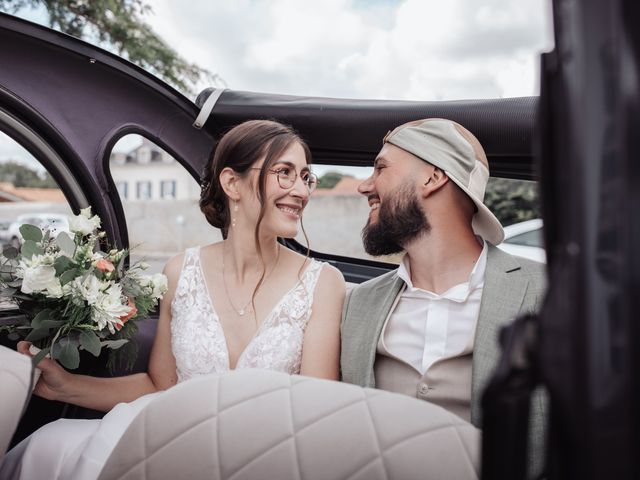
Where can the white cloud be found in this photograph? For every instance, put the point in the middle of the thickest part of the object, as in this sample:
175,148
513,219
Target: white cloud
12,151
415,49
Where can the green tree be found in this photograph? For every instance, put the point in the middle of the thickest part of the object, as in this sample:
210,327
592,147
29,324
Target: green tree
329,180
512,201
22,176
118,25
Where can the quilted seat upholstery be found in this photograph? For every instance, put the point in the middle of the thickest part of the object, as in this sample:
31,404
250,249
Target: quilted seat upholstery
253,424
15,375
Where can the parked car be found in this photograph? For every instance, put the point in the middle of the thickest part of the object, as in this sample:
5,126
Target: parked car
525,239
4,231
53,222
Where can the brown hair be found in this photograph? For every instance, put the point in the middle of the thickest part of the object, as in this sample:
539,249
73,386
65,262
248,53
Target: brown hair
239,149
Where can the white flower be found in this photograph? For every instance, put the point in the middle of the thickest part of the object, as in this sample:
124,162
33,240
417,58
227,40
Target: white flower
142,280
37,273
38,279
108,308
86,289
55,290
159,285
84,223
115,256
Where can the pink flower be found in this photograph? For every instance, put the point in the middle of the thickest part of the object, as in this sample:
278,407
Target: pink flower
132,311
105,265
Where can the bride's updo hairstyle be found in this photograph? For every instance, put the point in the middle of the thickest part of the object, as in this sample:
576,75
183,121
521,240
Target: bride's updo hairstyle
239,149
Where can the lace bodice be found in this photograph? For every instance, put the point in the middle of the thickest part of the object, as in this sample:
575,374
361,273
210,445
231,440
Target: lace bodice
197,338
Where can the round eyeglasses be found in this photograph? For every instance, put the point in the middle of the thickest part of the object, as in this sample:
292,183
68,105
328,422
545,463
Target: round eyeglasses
287,176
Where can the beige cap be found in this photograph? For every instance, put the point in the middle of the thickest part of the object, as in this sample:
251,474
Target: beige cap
441,143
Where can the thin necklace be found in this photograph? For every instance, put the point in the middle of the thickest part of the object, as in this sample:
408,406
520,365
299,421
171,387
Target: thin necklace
243,309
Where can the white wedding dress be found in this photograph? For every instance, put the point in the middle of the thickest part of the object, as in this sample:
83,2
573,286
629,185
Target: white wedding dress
78,449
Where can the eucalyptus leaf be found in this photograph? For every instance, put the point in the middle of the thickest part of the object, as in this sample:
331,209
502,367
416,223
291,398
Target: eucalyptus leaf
31,232
37,334
114,344
10,252
31,248
69,275
66,244
90,342
40,317
52,323
15,283
62,264
66,352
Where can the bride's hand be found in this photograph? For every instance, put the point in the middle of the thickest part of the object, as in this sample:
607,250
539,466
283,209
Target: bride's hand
54,378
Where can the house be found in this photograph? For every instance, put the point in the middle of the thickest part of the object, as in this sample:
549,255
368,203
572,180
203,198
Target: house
347,186
149,173
9,193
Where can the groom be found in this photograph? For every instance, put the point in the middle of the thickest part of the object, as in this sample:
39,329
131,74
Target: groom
430,328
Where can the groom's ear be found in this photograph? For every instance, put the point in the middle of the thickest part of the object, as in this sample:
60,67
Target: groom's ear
434,182
229,182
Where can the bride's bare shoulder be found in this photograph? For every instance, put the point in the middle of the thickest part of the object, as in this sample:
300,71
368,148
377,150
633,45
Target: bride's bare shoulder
174,265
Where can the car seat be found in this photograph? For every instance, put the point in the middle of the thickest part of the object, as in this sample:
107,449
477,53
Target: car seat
252,424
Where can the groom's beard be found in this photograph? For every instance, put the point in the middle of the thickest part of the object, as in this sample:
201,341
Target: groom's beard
400,220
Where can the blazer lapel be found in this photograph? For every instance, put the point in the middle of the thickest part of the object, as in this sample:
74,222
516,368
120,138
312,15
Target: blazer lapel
503,293
368,311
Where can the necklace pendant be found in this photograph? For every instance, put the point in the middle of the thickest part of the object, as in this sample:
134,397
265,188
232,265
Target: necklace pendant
241,312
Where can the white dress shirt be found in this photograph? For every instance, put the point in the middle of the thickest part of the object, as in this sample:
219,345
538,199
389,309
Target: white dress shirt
426,327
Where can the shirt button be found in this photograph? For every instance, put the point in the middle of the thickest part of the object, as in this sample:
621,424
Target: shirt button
423,390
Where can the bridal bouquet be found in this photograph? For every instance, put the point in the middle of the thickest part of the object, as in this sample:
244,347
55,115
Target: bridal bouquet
73,296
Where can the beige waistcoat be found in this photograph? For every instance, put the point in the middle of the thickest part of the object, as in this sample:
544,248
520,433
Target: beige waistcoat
447,383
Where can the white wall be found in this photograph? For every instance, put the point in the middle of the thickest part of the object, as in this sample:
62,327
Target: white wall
132,173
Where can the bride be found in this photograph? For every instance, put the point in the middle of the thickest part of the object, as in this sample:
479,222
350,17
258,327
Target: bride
245,302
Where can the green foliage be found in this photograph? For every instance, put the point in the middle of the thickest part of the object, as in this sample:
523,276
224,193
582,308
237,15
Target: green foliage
22,176
66,244
66,352
31,232
122,351
145,306
10,252
118,25
31,248
329,180
90,342
512,201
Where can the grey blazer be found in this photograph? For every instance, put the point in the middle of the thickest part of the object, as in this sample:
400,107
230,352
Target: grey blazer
513,286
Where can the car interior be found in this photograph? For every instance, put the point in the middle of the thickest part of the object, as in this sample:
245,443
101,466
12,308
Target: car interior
577,139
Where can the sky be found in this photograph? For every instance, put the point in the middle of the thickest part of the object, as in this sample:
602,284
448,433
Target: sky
381,49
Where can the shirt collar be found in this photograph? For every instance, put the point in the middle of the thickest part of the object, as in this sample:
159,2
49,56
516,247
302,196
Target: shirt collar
457,293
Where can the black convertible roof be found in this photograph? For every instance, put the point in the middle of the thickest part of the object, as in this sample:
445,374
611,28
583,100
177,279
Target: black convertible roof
351,131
